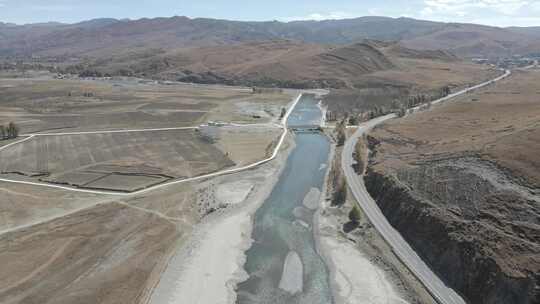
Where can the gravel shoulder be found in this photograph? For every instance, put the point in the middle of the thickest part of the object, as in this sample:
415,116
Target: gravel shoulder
363,268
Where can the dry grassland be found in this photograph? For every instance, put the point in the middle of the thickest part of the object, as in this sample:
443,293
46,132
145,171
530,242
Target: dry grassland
108,254
426,75
501,123
409,78
245,146
133,161
45,105
23,204
116,161
461,183
59,246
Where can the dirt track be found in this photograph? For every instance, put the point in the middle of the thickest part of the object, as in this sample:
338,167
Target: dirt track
95,256
48,105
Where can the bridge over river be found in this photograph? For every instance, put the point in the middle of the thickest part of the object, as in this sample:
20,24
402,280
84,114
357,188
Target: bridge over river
283,264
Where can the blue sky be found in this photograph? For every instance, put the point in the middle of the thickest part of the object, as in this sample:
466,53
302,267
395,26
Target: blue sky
492,12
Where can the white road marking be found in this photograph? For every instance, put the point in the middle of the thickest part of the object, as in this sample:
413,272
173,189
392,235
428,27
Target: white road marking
223,172
109,131
16,142
440,292
269,125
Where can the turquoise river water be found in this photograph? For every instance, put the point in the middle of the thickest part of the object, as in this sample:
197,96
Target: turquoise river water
283,224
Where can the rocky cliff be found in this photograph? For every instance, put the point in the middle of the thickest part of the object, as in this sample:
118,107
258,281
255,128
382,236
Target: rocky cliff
480,251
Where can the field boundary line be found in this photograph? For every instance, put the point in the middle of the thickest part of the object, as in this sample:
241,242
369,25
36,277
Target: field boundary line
235,170
283,125
110,131
17,142
14,181
267,125
112,200
170,219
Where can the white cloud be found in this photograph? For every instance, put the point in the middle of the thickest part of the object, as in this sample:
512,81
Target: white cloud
464,7
491,12
374,12
321,16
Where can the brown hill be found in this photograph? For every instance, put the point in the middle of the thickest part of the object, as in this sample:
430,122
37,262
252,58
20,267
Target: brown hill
469,40
96,38
461,184
403,52
271,63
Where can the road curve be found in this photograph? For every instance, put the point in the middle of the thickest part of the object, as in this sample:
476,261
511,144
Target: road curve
282,125
438,289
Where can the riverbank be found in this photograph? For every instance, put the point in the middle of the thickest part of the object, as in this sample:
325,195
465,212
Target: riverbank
214,256
362,267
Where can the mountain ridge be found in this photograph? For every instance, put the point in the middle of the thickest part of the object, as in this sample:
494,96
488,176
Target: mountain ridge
110,35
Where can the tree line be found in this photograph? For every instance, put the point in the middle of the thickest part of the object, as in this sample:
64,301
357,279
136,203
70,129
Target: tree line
400,106
9,132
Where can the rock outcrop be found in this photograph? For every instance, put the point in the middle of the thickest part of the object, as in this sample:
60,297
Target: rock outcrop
487,256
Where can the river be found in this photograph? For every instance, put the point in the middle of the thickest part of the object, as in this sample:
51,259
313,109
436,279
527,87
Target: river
283,264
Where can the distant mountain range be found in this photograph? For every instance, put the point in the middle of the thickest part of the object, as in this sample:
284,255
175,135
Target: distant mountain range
110,37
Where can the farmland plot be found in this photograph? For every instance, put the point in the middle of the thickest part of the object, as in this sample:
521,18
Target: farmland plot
117,161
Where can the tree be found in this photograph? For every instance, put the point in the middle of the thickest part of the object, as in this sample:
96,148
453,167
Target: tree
341,136
340,191
353,120
331,116
283,112
3,134
355,215
12,130
401,112
445,91
359,153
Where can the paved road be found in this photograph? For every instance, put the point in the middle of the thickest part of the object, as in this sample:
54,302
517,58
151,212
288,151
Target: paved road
225,125
109,131
442,293
282,125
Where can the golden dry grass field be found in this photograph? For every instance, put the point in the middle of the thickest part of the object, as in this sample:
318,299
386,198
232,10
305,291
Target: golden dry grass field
47,105
500,122
461,182
60,246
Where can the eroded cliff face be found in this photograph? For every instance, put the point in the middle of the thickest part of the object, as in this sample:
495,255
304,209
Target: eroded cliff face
461,182
485,245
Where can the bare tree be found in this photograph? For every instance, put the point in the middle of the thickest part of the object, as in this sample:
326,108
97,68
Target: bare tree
12,130
355,215
359,155
340,191
283,112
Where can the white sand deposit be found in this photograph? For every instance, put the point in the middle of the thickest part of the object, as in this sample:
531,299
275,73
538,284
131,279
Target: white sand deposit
312,199
292,276
234,192
203,278
358,280
207,268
